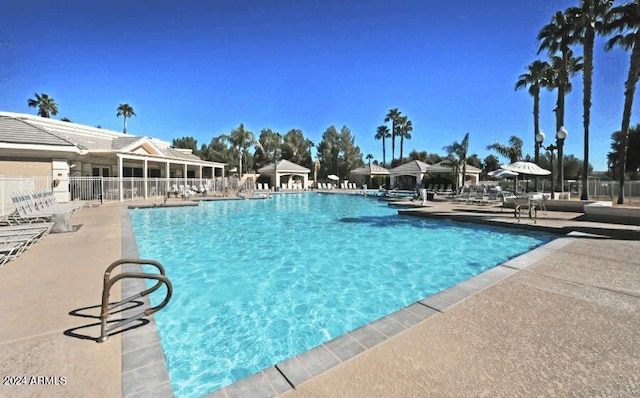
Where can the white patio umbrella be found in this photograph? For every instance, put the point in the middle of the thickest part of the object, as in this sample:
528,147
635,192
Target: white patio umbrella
526,168
333,177
502,173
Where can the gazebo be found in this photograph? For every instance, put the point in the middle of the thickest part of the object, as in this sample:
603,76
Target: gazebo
472,174
414,168
418,169
369,170
285,168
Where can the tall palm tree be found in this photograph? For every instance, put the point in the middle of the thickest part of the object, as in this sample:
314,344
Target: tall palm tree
405,127
241,139
539,75
556,37
369,157
46,105
126,111
459,150
382,134
513,151
393,116
586,20
625,20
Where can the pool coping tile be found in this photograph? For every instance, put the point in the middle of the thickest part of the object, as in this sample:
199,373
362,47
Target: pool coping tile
144,342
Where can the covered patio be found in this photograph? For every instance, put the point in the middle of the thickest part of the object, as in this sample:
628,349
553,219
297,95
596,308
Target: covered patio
284,168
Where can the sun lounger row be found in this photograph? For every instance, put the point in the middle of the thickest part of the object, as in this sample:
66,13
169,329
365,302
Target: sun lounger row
348,185
480,196
263,186
15,239
40,206
292,185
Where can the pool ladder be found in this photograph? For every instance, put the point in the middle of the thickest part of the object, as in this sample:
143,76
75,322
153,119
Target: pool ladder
109,281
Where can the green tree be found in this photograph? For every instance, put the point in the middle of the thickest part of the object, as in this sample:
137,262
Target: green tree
459,151
220,151
632,153
126,111
329,151
382,134
624,20
586,20
46,105
556,37
513,151
338,153
266,147
405,127
297,149
241,139
539,75
393,116
490,163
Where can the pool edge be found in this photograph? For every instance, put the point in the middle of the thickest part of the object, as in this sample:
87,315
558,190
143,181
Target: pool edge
287,375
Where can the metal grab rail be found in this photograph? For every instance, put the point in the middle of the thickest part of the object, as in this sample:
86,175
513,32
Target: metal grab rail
109,281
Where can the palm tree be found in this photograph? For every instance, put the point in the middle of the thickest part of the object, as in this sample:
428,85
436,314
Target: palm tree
539,75
585,21
46,105
393,116
625,20
382,134
460,151
126,111
369,157
405,127
556,37
241,139
513,151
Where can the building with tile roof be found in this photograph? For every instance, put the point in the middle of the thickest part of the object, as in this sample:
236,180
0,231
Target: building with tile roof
33,146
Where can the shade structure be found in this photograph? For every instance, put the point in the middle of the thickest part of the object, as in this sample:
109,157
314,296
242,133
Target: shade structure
502,173
527,168
370,170
333,177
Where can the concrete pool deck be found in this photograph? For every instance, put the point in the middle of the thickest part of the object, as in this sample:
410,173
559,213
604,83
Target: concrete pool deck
565,321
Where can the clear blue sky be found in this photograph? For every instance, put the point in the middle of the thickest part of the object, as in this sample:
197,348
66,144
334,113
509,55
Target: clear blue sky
200,68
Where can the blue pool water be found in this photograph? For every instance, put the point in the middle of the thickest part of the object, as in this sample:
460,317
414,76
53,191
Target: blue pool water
259,281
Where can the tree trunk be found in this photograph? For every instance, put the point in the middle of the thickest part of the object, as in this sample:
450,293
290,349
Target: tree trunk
401,145
384,155
536,130
630,88
393,141
587,76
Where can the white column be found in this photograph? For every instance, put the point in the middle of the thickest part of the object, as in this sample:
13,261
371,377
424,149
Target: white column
146,185
120,174
167,177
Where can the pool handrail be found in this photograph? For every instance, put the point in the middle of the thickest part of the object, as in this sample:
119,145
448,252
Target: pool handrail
109,281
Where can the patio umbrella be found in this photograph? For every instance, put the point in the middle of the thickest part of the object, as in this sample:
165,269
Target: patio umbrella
526,168
502,173
333,177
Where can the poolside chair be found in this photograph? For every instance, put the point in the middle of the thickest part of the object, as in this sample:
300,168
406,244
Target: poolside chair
525,203
266,186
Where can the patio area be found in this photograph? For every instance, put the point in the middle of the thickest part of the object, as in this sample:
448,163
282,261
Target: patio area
563,321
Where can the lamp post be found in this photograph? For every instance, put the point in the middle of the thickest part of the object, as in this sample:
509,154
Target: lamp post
561,134
539,139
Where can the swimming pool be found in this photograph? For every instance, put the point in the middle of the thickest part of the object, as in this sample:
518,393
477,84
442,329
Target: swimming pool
259,281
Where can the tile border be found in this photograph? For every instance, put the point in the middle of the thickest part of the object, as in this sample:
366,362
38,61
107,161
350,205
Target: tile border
144,370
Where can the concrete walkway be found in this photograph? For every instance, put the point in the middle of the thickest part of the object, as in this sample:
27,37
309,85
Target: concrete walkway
566,325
